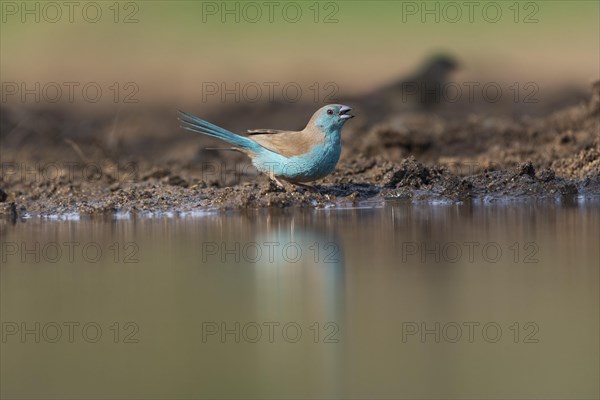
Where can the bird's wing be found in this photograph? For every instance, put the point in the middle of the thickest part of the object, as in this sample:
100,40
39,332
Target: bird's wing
264,131
286,143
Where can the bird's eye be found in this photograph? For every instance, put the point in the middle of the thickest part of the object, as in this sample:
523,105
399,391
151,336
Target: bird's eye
330,111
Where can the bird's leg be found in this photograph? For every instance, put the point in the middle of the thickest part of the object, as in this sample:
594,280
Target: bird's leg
276,181
289,186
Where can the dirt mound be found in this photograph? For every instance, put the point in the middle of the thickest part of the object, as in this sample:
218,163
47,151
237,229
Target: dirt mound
566,140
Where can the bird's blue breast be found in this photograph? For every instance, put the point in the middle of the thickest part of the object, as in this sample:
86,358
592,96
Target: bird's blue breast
320,161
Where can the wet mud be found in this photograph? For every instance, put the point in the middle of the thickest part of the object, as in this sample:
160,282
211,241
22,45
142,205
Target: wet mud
56,165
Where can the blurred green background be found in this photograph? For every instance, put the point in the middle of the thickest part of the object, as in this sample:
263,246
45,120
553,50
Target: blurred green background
170,47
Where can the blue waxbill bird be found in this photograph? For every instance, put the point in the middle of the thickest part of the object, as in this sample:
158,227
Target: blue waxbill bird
293,156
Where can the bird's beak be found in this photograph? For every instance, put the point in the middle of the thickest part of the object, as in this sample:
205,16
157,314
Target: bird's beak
343,111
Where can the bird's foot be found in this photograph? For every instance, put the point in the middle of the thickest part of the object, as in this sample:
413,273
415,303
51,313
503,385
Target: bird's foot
306,186
279,184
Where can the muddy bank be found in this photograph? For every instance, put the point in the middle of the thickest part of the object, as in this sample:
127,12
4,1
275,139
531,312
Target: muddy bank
52,166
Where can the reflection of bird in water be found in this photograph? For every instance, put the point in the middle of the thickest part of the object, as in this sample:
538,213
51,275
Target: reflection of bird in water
305,284
305,261
422,90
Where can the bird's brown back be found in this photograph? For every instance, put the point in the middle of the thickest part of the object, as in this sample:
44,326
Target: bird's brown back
287,143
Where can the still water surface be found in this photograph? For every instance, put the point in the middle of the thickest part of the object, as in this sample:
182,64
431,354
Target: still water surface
403,301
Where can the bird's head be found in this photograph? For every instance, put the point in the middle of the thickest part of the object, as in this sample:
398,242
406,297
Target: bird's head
331,117
440,65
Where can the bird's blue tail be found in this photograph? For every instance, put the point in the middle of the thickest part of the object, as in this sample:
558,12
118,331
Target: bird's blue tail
194,124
